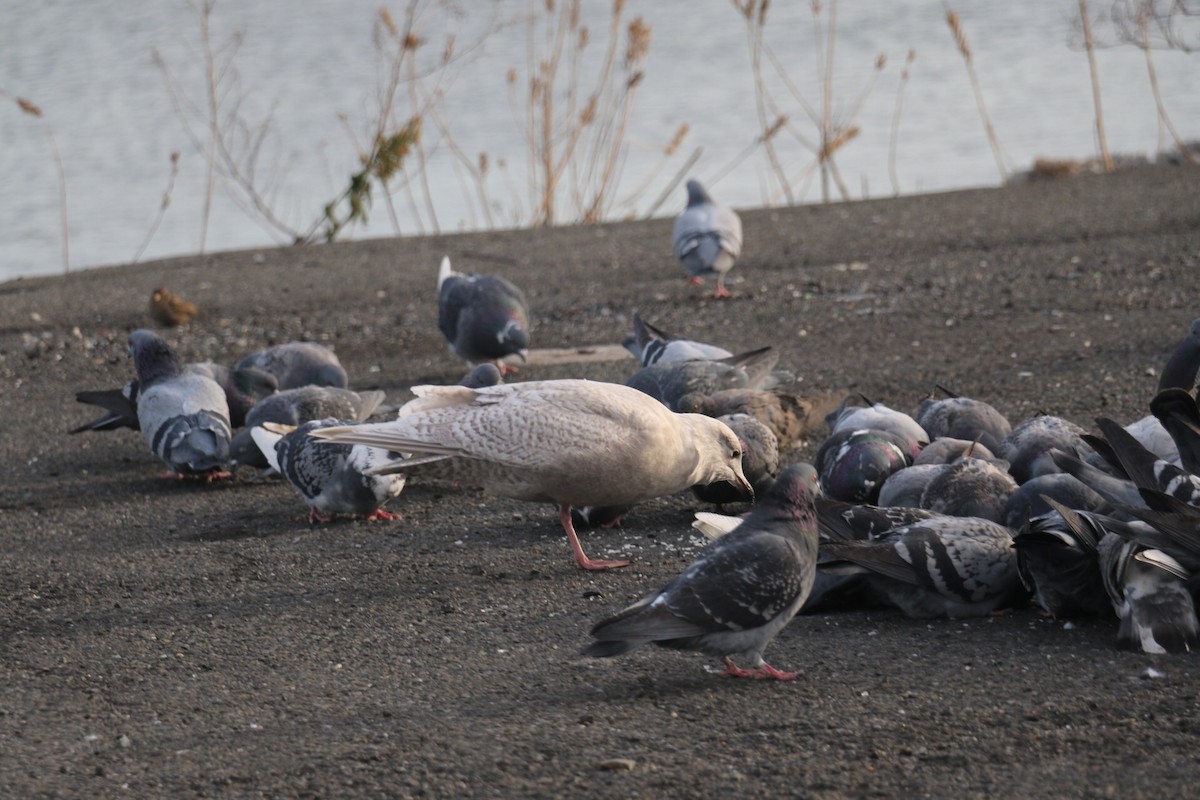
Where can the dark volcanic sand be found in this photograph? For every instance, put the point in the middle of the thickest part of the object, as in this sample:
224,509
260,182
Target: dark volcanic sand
169,639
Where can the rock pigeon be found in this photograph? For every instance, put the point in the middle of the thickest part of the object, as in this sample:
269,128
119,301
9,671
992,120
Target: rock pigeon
1027,448
649,345
970,487
183,416
1060,565
876,416
946,449
1176,412
487,374
904,487
297,364
668,382
1149,593
963,418
1158,430
483,317
854,463
939,567
760,462
295,407
568,442
242,390
788,416
169,309
1031,498
741,590
708,238
333,479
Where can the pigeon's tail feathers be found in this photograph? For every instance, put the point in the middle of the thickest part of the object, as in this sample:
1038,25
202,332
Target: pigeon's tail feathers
266,439
121,410
714,526
369,403
194,442
444,271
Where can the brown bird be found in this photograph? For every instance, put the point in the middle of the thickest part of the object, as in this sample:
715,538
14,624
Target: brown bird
788,416
169,309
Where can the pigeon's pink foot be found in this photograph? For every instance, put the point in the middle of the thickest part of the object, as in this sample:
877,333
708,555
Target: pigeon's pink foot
379,515
506,369
170,475
721,292
317,516
694,281
615,522
217,475
564,516
763,673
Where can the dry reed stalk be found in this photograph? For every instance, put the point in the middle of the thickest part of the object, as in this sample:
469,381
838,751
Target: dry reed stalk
1090,46
33,110
964,47
756,20
908,61
162,208
1142,19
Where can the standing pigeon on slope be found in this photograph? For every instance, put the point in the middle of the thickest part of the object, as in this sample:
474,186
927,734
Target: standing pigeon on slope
741,590
708,238
298,364
332,479
184,416
568,442
483,317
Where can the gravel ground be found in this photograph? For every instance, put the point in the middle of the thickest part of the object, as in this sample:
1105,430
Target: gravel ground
170,639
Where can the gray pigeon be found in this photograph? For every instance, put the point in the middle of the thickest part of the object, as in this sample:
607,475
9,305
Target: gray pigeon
878,417
945,449
939,567
649,345
183,416
970,487
487,374
707,238
332,478
741,590
855,463
668,382
242,389
295,407
1027,448
297,364
567,442
483,317
963,418
1030,498
1176,411
1149,592
903,488
1060,564
1159,431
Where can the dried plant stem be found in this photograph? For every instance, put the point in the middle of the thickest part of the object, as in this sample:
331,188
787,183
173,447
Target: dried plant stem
827,166
755,29
62,202
675,181
912,54
1185,152
1090,46
964,47
204,12
162,208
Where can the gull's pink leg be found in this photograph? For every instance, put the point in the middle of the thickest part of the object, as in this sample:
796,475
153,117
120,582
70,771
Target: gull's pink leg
564,516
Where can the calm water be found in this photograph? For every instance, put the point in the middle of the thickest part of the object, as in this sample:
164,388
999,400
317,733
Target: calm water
315,67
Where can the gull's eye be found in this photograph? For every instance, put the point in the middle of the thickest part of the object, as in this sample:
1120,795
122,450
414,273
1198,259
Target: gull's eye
735,454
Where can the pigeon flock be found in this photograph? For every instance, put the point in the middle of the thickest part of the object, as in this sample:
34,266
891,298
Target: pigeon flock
951,512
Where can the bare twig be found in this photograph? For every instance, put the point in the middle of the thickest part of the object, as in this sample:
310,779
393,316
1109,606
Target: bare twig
964,47
1089,45
908,60
162,207
33,110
